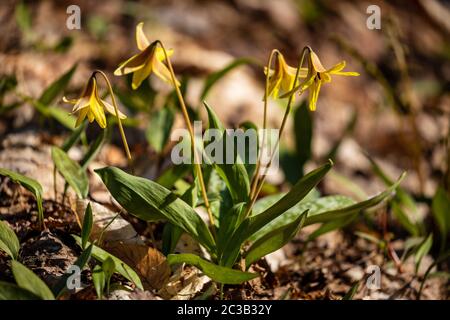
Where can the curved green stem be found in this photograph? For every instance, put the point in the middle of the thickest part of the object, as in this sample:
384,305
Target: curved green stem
122,133
260,183
191,133
266,97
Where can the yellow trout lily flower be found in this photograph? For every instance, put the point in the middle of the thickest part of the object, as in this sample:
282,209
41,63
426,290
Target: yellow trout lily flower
281,77
149,60
91,106
318,75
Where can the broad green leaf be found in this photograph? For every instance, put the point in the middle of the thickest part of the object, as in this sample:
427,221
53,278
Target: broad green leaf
26,279
86,229
172,175
121,267
423,250
266,202
74,175
321,217
216,76
228,224
149,201
325,210
99,280
274,240
235,174
158,131
172,233
294,196
108,267
52,92
217,273
11,291
30,184
61,286
8,240
253,224
441,213
332,225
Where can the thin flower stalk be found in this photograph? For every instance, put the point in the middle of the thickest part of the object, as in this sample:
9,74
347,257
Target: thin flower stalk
116,109
191,134
260,180
266,96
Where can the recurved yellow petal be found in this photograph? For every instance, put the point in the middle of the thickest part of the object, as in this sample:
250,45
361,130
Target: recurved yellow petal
111,110
141,40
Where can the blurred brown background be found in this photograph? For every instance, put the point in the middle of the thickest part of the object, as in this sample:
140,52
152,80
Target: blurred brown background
401,99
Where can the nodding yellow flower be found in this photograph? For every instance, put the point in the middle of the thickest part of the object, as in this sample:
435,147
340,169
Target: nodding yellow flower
90,105
149,60
318,75
281,77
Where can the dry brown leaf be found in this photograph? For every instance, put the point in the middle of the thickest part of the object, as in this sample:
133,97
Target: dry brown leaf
149,263
184,284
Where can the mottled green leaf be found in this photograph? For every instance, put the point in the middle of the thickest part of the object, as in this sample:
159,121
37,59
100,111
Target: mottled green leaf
8,240
149,201
274,240
74,175
26,279
217,273
30,184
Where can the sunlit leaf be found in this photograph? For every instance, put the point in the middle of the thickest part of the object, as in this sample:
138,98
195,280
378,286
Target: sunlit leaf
99,280
8,240
11,291
26,279
30,184
274,240
74,175
217,273
253,224
149,201
235,174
